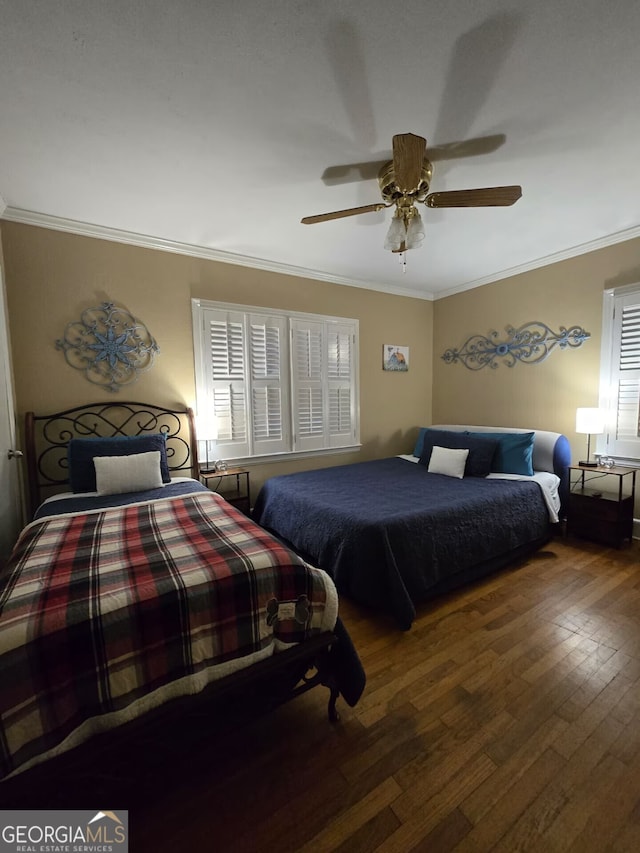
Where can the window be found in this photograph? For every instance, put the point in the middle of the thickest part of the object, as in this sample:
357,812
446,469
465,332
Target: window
620,373
276,382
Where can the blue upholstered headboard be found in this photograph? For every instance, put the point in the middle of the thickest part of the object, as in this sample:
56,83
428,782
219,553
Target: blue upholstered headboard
551,451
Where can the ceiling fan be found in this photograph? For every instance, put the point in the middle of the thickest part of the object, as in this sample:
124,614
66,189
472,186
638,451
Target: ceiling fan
405,180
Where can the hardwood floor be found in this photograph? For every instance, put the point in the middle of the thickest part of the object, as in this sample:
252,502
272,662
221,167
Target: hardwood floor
507,719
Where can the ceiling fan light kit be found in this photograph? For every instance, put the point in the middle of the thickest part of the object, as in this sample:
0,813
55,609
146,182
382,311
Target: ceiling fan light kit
396,234
415,231
406,231
404,181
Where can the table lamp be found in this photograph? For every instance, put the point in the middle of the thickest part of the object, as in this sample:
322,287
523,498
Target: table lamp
206,430
589,422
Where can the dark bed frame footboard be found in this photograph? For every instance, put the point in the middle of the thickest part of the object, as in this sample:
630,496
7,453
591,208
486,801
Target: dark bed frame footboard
144,753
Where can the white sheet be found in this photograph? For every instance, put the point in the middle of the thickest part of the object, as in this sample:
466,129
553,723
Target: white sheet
64,495
549,486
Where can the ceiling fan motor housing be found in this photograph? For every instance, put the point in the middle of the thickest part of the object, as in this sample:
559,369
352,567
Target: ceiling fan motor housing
390,191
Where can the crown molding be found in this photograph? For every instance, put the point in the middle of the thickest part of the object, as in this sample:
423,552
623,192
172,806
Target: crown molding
537,263
116,235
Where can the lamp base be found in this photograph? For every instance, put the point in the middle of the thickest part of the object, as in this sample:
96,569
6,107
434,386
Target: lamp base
588,464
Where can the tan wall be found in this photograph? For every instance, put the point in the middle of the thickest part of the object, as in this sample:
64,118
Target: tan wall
52,277
543,396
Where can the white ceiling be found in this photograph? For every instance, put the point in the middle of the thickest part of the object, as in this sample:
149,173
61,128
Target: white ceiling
215,125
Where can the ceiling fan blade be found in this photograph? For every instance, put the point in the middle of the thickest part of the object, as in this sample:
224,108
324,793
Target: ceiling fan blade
466,147
339,214
369,170
408,156
488,197
350,172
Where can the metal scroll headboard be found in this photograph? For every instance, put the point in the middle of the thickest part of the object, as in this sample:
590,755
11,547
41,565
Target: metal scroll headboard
47,437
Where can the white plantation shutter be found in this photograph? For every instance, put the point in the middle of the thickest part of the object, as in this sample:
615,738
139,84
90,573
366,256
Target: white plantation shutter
225,364
269,384
324,384
624,416
229,408
308,346
278,382
341,399
340,419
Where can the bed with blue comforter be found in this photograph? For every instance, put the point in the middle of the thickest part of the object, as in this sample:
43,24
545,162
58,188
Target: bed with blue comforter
393,534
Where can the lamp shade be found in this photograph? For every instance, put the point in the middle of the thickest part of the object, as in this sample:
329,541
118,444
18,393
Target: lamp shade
415,231
206,427
590,421
396,234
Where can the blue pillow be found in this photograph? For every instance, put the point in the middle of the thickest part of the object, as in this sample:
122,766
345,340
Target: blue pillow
417,450
481,450
80,453
514,454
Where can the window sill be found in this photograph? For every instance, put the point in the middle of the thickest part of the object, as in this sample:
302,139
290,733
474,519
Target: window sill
286,457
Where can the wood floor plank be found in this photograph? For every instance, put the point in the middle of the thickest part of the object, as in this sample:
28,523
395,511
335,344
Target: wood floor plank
530,710
422,820
445,835
424,776
352,819
593,715
424,695
583,806
428,675
395,745
627,746
370,834
488,831
571,783
507,775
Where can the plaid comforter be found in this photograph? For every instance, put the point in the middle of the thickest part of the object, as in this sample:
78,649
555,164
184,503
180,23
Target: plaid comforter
102,612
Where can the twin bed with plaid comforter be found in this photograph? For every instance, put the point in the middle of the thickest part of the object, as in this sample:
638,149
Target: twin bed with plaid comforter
108,613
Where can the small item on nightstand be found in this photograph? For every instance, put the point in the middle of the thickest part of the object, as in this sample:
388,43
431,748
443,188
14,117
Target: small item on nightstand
221,465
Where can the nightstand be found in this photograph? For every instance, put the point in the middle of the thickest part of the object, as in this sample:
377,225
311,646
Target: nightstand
601,502
233,484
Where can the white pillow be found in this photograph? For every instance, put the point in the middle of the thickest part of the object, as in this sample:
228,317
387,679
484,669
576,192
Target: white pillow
445,460
133,473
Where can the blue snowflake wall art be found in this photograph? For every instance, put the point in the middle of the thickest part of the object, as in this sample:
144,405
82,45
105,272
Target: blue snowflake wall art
109,345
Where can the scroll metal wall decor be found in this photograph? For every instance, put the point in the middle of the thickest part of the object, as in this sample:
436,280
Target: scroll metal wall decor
109,345
529,344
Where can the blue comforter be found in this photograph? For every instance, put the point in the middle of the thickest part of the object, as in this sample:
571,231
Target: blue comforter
85,501
391,534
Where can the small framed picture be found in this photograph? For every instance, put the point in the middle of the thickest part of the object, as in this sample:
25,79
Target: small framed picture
395,357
